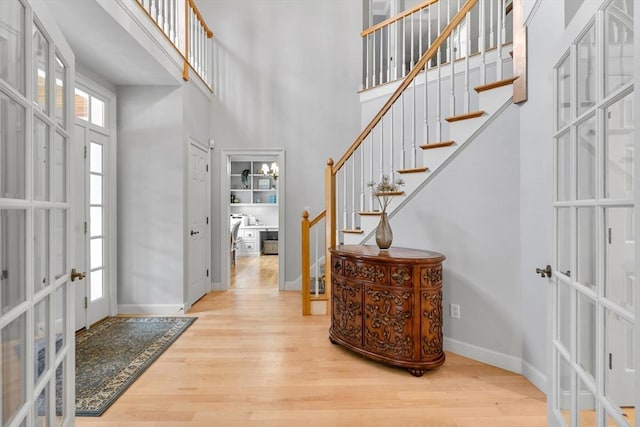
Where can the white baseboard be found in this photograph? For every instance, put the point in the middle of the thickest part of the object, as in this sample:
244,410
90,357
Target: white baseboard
537,378
484,355
292,286
164,309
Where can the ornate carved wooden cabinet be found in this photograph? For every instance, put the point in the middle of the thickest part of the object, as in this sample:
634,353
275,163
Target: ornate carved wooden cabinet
387,306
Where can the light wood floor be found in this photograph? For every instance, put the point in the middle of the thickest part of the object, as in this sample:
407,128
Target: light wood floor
252,359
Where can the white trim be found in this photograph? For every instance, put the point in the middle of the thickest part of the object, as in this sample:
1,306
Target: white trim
484,355
169,309
536,377
216,287
532,13
225,209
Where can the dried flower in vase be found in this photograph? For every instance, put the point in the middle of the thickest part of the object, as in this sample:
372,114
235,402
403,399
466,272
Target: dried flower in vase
385,190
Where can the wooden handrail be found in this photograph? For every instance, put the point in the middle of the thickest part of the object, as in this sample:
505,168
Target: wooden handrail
433,49
200,18
396,18
318,217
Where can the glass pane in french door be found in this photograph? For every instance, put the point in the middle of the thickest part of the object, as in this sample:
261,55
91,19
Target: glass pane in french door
618,149
12,258
14,367
12,143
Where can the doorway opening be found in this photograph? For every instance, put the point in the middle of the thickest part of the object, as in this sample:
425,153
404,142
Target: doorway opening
253,218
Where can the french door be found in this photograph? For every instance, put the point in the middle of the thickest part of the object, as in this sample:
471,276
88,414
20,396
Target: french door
594,328
36,325
94,225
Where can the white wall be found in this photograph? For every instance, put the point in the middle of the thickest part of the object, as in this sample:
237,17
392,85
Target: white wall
536,185
470,213
286,76
150,196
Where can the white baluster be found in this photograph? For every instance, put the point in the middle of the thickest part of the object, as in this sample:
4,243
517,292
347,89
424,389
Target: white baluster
499,41
395,56
438,88
391,168
371,168
452,79
353,192
481,42
413,127
367,55
426,105
381,147
402,126
420,51
491,27
317,261
373,62
167,18
362,183
345,211
413,62
381,57
388,56
404,47
467,40
153,11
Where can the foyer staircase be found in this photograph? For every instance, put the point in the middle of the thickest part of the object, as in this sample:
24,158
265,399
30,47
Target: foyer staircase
426,122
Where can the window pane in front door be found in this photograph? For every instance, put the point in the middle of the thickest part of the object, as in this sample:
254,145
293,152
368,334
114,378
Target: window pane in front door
59,243
618,149
12,143
586,71
12,43
618,46
40,249
14,367
563,166
60,178
564,240
586,140
60,101
41,67
12,258
563,80
587,334
619,361
40,338
586,239
40,160
619,256
60,315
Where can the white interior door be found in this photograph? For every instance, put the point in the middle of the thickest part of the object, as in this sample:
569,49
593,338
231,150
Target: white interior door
79,235
36,325
592,360
198,274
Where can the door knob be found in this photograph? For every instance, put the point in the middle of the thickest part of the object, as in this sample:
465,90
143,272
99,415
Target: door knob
546,272
194,232
76,275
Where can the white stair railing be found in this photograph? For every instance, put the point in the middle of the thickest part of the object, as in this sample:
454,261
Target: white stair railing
184,26
392,47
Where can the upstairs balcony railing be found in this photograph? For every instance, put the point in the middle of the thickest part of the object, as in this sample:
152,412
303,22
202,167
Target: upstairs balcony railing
183,25
394,46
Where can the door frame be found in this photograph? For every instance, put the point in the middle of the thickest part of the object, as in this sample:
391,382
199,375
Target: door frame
225,209
111,191
192,141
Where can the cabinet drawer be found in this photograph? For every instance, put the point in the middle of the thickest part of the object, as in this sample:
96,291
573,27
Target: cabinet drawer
248,234
250,246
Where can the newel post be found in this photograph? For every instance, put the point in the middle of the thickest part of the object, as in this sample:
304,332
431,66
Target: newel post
330,225
306,265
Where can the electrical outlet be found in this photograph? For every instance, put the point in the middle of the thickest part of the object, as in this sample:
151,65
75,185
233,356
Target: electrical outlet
455,310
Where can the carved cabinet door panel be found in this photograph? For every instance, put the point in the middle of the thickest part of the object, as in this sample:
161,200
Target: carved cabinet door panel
346,310
388,321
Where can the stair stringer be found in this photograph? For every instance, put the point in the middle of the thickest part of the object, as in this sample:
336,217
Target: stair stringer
414,184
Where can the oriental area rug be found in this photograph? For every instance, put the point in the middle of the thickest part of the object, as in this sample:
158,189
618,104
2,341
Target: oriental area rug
113,354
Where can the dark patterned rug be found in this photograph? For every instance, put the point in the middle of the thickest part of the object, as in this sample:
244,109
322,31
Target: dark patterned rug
114,353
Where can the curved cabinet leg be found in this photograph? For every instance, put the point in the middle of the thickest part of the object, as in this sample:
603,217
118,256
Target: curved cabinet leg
332,341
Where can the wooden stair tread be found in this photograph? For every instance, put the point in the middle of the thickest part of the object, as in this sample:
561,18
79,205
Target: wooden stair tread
494,85
466,116
437,145
413,170
370,213
352,231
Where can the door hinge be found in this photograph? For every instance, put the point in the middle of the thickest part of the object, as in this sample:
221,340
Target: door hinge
85,151
4,275
85,227
207,272
207,220
206,168
610,361
86,303
609,235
